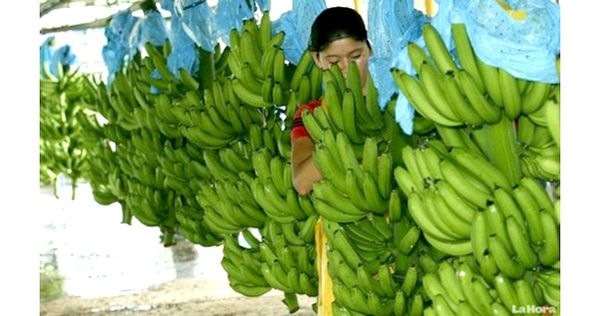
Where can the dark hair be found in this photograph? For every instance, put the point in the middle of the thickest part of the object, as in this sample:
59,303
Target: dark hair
335,23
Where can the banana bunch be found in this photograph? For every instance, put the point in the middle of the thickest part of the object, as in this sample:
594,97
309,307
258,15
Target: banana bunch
209,115
515,95
463,205
273,191
229,206
305,83
520,232
474,93
63,99
254,271
539,137
287,267
147,204
191,224
351,190
107,187
219,119
143,192
130,152
243,265
372,238
455,288
140,167
228,162
546,287
260,75
182,167
365,287
348,110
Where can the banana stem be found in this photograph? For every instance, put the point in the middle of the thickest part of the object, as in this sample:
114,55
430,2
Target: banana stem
206,71
291,301
73,188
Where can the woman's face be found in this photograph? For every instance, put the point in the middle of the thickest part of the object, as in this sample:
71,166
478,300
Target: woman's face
342,52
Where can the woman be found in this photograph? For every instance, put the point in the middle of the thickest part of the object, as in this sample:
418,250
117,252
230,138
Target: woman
338,37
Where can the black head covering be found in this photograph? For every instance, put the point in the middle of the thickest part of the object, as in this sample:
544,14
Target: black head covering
335,23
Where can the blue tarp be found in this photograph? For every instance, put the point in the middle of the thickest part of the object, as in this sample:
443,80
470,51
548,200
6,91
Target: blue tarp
391,25
184,54
296,25
198,20
229,15
54,57
118,48
527,48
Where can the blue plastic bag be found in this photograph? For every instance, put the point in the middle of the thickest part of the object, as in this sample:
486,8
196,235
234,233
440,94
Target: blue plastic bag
184,54
391,25
229,15
153,29
46,49
197,18
150,28
46,53
264,5
117,49
526,48
55,57
296,24
62,56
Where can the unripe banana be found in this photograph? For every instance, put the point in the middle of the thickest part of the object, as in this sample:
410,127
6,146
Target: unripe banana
438,50
465,53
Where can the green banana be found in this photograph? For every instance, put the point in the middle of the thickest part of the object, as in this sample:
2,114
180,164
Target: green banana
489,112
247,96
405,181
505,202
489,76
265,30
304,65
496,223
331,213
417,210
414,92
504,261
395,207
506,291
433,85
373,197
438,50
480,167
465,53
525,294
535,96
520,243
531,212
550,252
459,207
349,115
552,111
465,184
537,192
453,248
333,99
511,97
417,55
355,192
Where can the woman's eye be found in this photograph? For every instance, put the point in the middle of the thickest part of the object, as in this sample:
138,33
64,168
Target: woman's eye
357,56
